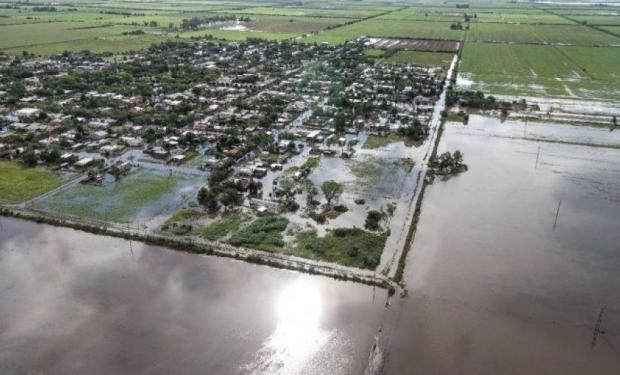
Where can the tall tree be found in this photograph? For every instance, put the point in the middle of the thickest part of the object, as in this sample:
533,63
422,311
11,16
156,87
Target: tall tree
331,190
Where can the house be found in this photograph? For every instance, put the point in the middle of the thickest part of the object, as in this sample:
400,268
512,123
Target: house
313,135
84,162
27,112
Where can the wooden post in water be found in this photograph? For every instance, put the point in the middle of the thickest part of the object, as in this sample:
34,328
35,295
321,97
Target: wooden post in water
597,328
130,243
537,156
557,213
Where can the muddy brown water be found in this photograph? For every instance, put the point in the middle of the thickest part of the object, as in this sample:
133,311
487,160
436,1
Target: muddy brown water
76,303
496,285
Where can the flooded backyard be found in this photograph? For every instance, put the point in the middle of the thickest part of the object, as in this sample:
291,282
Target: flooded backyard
514,267
76,303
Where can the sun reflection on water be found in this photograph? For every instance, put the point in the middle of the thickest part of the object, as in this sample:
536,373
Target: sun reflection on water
298,336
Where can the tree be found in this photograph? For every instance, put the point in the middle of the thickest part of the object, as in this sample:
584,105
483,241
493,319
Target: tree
372,219
230,197
331,190
208,198
458,157
52,156
29,158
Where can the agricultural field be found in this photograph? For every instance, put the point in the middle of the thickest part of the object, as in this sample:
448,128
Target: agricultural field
139,197
27,35
395,28
540,34
19,183
514,69
421,58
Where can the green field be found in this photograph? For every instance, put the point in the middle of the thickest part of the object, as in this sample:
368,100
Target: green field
382,28
540,34
19,183
351,247
421,58
514,69
24,36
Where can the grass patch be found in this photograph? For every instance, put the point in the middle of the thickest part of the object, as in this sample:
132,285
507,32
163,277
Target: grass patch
19,183
223,227
264,233
184,215
376,141
348,246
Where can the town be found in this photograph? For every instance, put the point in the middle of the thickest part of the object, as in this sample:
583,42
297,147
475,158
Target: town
201,139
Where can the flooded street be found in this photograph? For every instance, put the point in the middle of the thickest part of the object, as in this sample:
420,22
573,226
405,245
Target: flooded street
514,267
76,303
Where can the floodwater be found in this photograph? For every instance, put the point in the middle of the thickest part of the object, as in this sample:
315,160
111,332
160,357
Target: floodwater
497,284
76,303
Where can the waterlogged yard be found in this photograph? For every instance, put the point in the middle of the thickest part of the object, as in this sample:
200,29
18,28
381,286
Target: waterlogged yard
137,198
348,246
375,180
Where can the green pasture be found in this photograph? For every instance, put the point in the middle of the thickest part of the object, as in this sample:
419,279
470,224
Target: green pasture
19,183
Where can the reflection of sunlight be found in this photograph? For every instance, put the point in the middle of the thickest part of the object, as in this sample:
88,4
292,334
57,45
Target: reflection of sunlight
298,336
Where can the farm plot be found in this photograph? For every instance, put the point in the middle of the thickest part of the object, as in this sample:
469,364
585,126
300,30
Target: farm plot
539,34
416,44
393,29
313,12
138,197
285,26
421,58
101,44
25,36
515,69
238,34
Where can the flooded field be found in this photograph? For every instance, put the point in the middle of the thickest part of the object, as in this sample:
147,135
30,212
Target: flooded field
76,303
143,195
514,268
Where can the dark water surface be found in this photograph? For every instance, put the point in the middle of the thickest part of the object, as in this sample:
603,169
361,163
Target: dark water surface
496,285
76,303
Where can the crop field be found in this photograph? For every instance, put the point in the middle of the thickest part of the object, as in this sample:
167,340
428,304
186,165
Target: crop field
54,32
19,183
535,69
482,15
540,34
138,197
314,12
381,28
421,58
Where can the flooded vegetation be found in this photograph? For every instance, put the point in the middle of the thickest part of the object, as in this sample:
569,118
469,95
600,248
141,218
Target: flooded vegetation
514,264
80,303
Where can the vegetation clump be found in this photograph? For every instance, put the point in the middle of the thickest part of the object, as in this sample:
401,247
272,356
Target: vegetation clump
264,233
349,246
448,164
